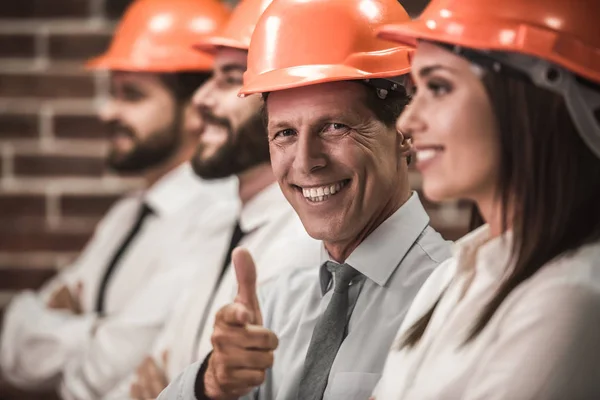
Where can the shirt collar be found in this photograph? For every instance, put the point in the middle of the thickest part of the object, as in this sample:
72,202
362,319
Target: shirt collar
171,192
262,208
477,251
381,253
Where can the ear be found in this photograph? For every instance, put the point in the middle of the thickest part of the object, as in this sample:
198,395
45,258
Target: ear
404,145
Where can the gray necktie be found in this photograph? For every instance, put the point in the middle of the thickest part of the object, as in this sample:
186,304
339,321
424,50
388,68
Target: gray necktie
327,336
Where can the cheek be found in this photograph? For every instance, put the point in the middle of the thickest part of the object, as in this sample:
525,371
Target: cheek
150,116
470,159
280,161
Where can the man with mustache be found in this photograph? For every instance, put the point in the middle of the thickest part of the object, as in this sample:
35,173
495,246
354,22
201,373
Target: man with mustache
95,321
234,142
332,93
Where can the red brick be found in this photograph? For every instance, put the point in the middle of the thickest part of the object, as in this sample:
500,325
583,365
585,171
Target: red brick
53,165
42,241
86,205
77,47
44,8
22,205
79,127
17,45
20,278
115,8
18,126
23,223
46,85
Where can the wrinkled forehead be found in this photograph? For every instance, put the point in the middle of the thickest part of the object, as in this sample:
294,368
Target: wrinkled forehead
341,99
137,79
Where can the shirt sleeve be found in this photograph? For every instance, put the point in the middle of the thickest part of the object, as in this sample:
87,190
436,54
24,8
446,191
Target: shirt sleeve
546,348
122,341
37,341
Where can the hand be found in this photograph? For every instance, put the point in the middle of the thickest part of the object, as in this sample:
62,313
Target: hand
242,348
150,379
64,299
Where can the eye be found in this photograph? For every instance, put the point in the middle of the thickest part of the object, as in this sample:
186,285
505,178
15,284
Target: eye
234,81
284,133
439,87
335,126
132,95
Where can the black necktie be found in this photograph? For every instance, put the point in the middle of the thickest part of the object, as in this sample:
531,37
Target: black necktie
236,237
144,212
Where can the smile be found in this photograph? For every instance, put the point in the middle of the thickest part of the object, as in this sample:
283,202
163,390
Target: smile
317,194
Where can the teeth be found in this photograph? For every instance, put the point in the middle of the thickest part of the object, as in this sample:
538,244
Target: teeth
424,155
322,193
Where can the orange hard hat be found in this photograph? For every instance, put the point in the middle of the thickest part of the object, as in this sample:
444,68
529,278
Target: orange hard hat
158,36
237,32
559,31
305,42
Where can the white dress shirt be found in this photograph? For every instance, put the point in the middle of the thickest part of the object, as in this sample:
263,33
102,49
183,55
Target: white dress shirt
41,347
543,342
277,241
393,261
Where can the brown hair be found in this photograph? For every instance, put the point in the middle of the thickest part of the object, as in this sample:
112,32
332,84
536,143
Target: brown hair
551,177
184,84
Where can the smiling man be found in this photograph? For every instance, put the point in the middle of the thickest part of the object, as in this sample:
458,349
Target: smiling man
330,104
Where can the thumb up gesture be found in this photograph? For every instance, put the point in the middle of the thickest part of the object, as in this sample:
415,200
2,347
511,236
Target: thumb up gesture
242,348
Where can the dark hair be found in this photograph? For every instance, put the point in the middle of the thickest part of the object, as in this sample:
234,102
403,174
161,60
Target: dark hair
184,84
550,176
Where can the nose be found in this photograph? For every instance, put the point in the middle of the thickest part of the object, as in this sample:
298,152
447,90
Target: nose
204,95
309,156
109,111
410,121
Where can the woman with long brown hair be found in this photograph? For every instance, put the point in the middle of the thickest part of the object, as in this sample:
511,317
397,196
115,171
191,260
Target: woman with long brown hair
507,114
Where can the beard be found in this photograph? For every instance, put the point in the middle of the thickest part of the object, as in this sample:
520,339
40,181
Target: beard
243,149
145,153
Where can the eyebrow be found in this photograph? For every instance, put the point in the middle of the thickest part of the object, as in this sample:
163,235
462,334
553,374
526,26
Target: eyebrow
425,71
227,68
349,119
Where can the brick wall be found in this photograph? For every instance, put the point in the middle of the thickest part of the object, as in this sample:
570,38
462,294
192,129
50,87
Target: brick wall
53,185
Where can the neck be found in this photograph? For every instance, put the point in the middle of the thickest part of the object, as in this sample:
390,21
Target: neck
340,251
490,208
255,180
154,174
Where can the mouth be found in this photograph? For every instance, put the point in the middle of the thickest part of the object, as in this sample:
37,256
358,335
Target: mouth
425,154
317,194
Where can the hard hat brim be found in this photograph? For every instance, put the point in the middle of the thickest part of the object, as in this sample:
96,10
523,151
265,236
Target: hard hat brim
111,63
294,77
210,45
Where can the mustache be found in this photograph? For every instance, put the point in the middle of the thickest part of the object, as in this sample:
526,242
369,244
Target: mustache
116,128
209,118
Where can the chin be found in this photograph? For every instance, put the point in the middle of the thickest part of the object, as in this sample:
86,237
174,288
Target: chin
438,193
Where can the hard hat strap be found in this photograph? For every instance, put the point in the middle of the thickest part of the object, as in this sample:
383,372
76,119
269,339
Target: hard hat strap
384,86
